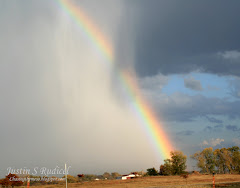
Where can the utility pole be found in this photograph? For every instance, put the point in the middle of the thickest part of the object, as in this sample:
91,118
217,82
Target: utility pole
213,179
66,173
28,182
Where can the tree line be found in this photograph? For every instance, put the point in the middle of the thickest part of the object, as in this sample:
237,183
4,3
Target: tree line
222,161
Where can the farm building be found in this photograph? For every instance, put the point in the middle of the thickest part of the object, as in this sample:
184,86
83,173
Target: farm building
128,176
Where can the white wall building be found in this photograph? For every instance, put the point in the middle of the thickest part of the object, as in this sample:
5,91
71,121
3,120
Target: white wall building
128,176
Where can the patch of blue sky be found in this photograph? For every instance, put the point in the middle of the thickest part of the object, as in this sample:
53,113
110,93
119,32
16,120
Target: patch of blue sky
213,85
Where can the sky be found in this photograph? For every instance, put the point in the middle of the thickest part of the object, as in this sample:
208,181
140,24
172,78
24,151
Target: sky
62,103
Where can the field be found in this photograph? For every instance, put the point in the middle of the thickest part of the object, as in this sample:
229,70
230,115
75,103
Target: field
159,181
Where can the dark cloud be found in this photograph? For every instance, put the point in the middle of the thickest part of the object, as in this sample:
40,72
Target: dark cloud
185,133
233,128
213,120
183,36
215,128
186,108
193,84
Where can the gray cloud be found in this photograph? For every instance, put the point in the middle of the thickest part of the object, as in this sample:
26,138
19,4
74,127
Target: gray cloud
183,107
213,120
233,128
185,133
215,128
180,37
231,55
236,141
212,88
235,87
217,141
193,84
153,82
213,142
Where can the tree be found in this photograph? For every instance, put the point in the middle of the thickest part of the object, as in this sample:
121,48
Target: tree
206,160
236,159
178,162
152,172
166,169
201,161
224,160
174,166
89,177
11,180
210,159
5,182
115,175
71,179
106,175
219,161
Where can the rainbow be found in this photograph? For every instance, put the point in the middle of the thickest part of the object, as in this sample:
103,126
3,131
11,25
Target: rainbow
151,125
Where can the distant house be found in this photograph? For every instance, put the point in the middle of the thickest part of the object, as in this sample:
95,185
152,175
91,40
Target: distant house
128,176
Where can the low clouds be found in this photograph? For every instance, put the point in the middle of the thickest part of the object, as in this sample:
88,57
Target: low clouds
154,82
193,84
183,107
186,108
236,141
213,142
204,143
231,55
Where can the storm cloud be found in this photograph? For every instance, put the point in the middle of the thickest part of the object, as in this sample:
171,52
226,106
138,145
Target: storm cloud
182,36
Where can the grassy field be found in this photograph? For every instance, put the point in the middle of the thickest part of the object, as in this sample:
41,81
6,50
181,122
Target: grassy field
203,181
